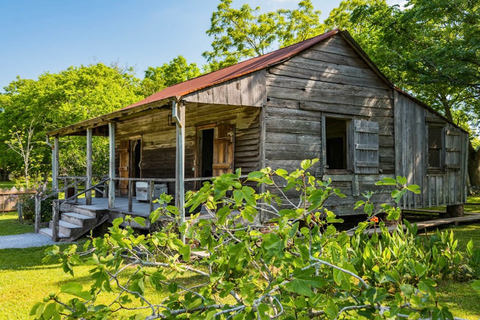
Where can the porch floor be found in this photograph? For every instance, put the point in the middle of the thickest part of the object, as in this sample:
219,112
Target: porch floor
141,209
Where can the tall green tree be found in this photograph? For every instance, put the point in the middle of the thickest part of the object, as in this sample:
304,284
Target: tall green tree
239,34
59,99
176,71
429,48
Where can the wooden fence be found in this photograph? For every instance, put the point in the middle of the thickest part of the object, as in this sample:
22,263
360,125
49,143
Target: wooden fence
9,198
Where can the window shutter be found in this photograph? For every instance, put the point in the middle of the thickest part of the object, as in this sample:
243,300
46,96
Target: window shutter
452,146
365,145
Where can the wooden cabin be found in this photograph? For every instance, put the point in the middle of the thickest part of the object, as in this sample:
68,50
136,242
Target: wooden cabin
321,98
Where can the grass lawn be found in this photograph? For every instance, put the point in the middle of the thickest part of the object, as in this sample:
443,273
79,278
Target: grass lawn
9,225
25,279
460,297
7,184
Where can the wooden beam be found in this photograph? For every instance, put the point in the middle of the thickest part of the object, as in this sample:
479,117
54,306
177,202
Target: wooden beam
88,183
178,114
111,166
55,155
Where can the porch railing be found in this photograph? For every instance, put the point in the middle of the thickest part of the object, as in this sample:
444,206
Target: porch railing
151,188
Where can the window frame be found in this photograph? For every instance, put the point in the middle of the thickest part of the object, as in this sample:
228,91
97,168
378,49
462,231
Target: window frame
442,149
352,147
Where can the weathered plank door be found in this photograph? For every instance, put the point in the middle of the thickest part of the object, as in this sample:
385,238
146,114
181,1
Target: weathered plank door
223,149
124,166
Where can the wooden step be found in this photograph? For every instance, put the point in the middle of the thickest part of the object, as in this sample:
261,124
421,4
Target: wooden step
48,233
78,219
66,228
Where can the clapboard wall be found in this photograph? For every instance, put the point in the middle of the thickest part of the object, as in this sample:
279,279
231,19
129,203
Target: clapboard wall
157,134
329,80
446,186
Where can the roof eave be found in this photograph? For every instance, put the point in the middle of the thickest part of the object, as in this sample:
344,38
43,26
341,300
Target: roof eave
109,117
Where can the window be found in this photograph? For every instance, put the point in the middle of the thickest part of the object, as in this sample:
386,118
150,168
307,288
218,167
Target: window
435,147
351,144
336,143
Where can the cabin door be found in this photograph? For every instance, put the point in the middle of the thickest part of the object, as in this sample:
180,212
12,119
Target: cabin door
130,163
223,146
215,150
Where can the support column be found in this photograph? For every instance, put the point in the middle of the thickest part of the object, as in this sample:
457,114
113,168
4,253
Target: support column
178,114
55,155
88,183
111,166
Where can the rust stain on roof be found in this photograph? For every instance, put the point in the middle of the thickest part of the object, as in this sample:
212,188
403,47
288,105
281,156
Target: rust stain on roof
234,71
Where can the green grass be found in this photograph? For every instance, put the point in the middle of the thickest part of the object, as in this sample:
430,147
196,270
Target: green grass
25,279
9,225
7,184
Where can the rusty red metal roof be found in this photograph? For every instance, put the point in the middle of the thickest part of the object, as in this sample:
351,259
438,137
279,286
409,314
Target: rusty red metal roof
234,71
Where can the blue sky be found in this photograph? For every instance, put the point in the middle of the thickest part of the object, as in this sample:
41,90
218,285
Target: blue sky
37,36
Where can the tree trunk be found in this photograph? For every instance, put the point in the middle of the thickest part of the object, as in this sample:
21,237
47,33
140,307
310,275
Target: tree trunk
474,165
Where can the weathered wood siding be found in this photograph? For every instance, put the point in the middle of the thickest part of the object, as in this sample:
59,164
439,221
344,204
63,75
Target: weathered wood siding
248,90
439,187
158,138
331,80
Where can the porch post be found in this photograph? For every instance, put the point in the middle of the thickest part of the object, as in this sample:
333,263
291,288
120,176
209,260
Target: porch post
88,183
55,155
178,114
111,166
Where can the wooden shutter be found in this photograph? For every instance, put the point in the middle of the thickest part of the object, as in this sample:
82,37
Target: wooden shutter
365,147
123,168
453,148
223,149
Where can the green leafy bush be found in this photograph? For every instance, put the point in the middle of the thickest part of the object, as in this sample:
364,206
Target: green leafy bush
297,266
27,201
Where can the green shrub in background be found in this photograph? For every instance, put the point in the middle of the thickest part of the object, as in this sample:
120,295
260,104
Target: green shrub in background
27,201
298,266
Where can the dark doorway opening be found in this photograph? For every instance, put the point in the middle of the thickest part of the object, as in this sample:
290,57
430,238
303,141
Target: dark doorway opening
336,143
207,138
136,158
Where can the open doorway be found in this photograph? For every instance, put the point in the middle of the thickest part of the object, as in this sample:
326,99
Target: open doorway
135,158
336,143
215,150
206,152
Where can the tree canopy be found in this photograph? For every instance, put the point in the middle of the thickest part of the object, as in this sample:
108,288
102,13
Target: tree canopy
244,33
59,99
176,71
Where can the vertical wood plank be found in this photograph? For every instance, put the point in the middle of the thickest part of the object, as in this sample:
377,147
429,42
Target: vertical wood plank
88,183
130,195
55,154
111,165
180,161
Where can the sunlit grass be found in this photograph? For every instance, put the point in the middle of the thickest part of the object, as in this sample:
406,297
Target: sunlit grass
9,224
7,184
25,279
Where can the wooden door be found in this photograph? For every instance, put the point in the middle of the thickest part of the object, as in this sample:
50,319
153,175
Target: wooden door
223,149
124,166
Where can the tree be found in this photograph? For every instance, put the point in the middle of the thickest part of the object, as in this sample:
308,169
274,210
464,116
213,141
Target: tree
245,32
176,71
22,144
429,49
59,99
299,266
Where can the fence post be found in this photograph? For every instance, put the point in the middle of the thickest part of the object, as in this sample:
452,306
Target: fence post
151,195
55,209
130,195
19,210
38,216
